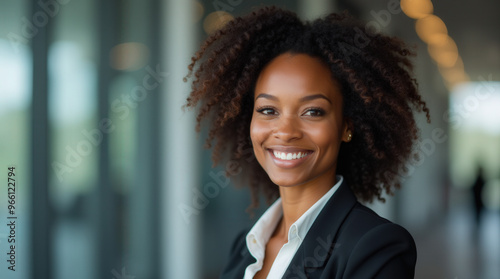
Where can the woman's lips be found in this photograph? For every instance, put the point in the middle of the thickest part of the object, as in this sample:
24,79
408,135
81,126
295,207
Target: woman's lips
289,159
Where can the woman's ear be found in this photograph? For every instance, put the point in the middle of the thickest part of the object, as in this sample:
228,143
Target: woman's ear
348,129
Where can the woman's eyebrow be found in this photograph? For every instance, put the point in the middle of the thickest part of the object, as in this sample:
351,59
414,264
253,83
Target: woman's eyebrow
267,96
303,99
313,97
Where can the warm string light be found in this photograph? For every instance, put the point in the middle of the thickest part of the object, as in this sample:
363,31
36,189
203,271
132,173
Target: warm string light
429,27
216,20
441,47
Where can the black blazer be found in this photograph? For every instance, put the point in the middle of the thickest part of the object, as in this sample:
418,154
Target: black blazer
347,240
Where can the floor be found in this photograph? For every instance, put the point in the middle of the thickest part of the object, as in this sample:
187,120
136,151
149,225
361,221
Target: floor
458,249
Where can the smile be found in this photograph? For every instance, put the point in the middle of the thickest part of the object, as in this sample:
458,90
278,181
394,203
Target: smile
290,156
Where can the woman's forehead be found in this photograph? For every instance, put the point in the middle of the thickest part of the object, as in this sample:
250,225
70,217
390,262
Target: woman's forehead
297,73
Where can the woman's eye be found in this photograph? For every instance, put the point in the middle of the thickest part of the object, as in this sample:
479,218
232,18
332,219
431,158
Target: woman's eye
314,112
267,111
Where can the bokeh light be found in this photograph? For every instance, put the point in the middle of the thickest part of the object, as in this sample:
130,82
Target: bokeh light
417,8
198,11
216,20
430,29
445,54
129,56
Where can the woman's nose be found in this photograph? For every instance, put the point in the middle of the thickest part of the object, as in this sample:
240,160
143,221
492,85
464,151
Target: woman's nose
287,128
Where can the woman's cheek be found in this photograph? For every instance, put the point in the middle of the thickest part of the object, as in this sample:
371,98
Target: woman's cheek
258,133
256,130
252,131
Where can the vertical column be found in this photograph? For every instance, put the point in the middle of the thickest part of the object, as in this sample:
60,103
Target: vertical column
179,154
105,213
143,200
40,208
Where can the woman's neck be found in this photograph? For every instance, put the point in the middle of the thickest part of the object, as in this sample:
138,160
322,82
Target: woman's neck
296,200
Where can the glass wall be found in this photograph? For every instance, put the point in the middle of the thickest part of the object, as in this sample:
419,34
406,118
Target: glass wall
97,88
74,138
16,30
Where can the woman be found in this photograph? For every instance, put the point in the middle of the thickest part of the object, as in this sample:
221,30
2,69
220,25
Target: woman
326,108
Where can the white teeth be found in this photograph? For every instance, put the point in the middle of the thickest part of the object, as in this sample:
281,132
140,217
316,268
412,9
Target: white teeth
289,156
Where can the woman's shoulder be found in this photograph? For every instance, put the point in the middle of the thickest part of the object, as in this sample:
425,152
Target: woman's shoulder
362,229
368,217
375,246
344,217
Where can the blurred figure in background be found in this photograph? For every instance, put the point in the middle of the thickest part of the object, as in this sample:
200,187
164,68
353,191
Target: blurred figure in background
477,191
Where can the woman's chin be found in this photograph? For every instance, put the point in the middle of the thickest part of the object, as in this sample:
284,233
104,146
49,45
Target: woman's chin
283,182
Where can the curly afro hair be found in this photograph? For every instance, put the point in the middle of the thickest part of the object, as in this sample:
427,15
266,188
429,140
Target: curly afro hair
375,73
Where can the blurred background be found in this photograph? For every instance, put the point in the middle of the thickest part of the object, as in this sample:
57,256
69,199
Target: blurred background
113,182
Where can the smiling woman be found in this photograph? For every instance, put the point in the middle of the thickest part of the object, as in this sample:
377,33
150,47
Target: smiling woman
328,119
300,114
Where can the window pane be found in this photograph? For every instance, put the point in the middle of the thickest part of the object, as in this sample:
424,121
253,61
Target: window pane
75,138
15,100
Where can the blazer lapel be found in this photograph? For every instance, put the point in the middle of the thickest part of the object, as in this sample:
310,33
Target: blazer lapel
318,244
239,261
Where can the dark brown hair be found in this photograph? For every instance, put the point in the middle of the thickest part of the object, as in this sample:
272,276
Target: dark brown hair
375,73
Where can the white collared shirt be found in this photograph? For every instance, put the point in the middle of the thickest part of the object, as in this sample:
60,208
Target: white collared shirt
260,233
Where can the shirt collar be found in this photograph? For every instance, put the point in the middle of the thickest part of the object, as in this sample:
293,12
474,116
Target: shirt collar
260,233
304,223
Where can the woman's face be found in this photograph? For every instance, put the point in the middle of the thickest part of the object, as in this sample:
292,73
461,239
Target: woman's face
297,124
